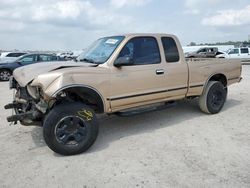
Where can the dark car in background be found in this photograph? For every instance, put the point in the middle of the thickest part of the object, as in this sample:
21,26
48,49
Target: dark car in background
206,52
6,69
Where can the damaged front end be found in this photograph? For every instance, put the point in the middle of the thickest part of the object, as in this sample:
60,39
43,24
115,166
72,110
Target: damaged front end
32,85
28,104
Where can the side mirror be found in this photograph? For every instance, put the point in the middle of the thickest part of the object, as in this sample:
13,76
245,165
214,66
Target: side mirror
123,61
19,62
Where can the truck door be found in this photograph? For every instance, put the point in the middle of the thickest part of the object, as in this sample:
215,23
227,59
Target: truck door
211,52
176,69
143,79
149,79
202,53
234,53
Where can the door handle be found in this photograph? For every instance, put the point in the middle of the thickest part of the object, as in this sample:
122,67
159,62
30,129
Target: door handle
159,71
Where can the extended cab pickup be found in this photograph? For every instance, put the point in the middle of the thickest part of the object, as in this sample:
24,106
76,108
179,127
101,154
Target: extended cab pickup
115,74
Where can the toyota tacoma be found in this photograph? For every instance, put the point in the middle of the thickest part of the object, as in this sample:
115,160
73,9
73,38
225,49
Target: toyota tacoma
116,74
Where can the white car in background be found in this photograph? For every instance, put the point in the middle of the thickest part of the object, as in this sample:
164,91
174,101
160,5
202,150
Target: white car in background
237,53
10,56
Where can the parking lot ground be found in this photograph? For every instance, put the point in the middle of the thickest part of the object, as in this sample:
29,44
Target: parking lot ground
175,147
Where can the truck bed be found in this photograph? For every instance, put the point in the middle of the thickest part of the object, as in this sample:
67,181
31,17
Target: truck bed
201,69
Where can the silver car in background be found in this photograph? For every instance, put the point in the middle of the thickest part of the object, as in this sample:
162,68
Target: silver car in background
10,56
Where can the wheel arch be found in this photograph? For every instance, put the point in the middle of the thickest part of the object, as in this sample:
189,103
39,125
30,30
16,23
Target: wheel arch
216,77
8,69
83,93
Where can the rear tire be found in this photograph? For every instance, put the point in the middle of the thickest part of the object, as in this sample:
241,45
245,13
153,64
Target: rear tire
70,128
213,98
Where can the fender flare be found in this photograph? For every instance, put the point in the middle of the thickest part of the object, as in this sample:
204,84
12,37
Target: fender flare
211,76
85,89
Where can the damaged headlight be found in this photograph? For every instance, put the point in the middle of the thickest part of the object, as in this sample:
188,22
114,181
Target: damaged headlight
34,92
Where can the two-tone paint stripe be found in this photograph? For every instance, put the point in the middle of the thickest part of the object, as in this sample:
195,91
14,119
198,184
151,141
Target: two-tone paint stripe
194,86
235,78
152,93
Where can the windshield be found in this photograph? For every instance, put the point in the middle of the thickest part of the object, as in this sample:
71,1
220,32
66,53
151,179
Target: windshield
100,51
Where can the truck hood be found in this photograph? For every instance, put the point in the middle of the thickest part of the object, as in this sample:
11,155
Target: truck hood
25,74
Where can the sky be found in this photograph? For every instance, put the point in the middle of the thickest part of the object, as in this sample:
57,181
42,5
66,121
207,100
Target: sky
75,24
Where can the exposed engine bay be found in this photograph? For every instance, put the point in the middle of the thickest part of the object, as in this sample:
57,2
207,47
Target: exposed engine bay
28,104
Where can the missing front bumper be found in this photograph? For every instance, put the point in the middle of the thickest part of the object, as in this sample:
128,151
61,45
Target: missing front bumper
20,117
31,117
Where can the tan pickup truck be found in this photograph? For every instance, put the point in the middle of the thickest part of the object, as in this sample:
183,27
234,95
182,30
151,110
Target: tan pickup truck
117,74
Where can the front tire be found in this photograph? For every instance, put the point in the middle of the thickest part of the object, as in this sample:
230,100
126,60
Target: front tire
70,128
213,98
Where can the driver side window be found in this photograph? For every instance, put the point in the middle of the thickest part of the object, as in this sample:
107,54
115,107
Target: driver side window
142,51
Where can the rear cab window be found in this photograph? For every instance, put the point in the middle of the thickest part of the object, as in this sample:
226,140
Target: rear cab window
244,51
170,50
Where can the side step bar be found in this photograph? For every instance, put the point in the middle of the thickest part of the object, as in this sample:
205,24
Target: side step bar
145,110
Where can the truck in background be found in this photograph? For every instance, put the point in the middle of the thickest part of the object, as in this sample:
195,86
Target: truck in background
242,53
206,52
